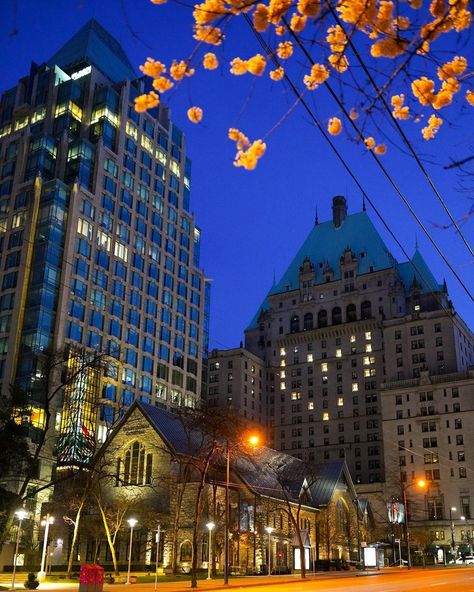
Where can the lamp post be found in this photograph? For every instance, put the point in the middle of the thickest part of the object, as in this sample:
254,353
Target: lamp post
453,542
46,523
210,526
132,522
269,530
253,441
422,485
21,515
158,533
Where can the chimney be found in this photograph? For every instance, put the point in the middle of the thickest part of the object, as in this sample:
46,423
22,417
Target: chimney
339,210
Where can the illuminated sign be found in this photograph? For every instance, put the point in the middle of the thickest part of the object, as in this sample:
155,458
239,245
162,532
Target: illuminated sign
80,73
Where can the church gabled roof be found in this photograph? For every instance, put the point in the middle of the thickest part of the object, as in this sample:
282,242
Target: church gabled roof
96,46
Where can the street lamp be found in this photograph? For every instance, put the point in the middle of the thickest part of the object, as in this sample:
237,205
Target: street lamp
132,522
252,440
451,510
21,515
210,526
46,523
269,530
422,485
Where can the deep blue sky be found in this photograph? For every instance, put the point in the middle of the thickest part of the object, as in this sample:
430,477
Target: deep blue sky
254,222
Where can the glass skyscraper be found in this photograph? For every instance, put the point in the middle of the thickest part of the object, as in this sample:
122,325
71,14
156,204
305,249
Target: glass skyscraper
99,248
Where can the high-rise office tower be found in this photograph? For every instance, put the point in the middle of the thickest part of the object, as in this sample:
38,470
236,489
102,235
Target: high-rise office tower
99,247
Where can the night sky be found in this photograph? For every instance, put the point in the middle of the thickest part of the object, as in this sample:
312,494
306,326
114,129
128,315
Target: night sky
254,222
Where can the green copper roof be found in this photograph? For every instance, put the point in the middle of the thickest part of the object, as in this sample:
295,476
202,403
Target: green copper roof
418,268
96,46
326,244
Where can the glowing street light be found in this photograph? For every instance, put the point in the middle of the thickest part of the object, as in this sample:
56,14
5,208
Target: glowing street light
421,484
210,526
46,523
132,522
21,515
269,530
252,440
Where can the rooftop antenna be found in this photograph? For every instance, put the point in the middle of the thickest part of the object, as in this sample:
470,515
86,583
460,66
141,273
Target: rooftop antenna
363,202
316,221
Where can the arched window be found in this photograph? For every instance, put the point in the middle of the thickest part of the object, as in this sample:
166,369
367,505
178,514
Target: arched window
366,310
186,551
351,313
137,466
322,318
295,324
308,321
336,315
342,519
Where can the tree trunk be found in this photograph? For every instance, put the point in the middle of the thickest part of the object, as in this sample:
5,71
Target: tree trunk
110,541
74,539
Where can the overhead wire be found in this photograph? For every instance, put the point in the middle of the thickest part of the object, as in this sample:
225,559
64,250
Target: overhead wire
382,167
401,131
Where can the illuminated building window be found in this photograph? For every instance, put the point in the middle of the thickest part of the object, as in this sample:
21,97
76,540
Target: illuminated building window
310,405
368,347
325,416
340,402
18,219
84,227
283,374
103,240
131,130
147,143
282,386
324,367
368,335
37,417
282,363
355,387
121,251
338,353
353,338
309,358
135,467
295,396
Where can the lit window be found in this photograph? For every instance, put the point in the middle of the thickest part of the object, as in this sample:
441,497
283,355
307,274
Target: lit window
338,353
353,338
103,240
282,363
282,374
147,143
417,307
121,251
309,358
174,167
161,156
324,367
282,386
38,115
368,335
18,219
37,417
368,347
355,387
310,406
84,228
325,416
340,402
282,351
101,433
130,129
295,396
57,423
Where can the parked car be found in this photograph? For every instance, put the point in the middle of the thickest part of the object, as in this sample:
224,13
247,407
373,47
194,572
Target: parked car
467,560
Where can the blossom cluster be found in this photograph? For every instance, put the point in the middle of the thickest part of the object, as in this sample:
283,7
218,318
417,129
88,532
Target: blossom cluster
392,29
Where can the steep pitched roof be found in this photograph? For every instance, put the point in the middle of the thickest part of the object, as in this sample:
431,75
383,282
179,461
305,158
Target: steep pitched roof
326,244
418,268
93,44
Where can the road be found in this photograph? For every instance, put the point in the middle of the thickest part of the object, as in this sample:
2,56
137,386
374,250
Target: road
416,580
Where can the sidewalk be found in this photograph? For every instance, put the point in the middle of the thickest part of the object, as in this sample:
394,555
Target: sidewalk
184,586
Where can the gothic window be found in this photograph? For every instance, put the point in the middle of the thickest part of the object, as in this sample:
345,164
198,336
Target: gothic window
186,551
137,466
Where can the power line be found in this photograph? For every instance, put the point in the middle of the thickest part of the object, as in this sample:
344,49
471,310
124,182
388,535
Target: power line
401,131
381,166
268,50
